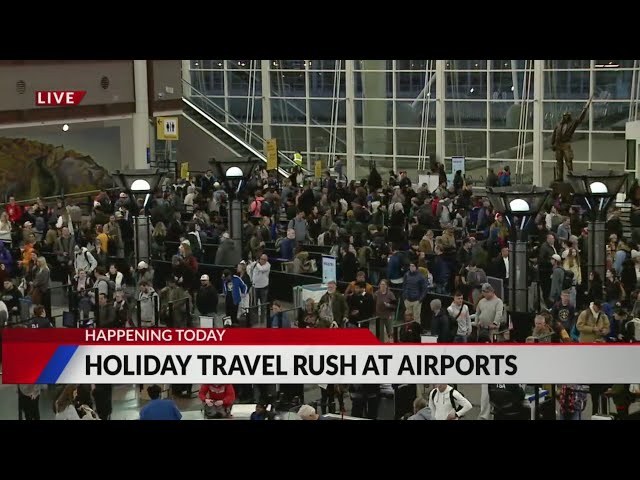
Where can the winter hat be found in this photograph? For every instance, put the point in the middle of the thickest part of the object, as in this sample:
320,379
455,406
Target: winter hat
142,265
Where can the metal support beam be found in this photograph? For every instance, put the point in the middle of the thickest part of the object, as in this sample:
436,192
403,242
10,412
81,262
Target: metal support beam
350,119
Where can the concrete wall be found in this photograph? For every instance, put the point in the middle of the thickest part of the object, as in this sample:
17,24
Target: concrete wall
85,76
197,147
167,73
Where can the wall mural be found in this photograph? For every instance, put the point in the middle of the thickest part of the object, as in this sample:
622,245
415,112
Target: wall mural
32,167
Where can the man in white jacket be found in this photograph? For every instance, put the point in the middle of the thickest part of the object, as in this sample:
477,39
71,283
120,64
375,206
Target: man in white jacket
446,403
84,260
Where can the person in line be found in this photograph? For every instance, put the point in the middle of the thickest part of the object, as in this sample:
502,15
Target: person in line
460,318
307,412
447,403
489,312
217,399
159,408
28,401
414,289
421,410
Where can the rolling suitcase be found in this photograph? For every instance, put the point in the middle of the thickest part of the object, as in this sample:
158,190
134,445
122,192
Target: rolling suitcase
387,403
405,395
603,409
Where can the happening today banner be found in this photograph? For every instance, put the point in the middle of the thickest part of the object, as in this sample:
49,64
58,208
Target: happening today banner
284,356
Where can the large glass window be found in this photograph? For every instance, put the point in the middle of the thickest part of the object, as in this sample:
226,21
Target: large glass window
373,113
569,85
466,114
465,143
487,106
373,141
287,111
287,83
324,112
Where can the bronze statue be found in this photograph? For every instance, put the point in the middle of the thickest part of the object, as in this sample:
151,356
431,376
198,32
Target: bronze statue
561,140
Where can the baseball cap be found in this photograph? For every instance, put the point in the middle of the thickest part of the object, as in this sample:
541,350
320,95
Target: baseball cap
486,287
28,224
226,235
556,257
142,265
204,277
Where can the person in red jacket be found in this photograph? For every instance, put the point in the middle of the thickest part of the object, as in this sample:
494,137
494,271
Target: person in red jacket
13,210
217,399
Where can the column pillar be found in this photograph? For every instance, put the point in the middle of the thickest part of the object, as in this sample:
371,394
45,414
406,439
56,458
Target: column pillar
266,102
518,286
350,118
374,112
141,116
538,140
597,247
440,110
186,77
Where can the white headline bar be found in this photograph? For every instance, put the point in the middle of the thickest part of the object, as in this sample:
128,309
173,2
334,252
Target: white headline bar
354,364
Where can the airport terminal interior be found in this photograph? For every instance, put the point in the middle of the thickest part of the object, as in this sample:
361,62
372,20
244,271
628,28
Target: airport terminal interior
457,201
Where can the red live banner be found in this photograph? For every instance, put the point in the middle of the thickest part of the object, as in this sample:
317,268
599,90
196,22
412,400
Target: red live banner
59,98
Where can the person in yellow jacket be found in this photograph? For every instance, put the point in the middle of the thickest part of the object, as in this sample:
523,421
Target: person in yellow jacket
593,324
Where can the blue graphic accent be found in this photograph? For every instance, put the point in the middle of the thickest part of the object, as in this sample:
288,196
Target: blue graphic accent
57,364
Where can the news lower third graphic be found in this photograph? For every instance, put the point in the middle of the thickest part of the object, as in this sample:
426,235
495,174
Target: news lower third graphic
297,356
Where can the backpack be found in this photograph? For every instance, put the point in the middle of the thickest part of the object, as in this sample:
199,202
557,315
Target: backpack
265,209
633,326
567,279
256,208
455,407
111,285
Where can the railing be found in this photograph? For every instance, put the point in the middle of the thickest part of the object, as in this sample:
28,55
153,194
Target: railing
236,126
54,198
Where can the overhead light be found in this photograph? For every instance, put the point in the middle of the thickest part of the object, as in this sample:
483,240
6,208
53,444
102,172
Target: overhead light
512,88
138,181
234,172
196,64
519,205
471,91
219,64
598,188
275,64
506,64
428,94
140,185
65,127
612,65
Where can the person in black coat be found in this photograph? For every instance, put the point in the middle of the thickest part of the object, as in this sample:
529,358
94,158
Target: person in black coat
207,299
307,200
361,305
349,264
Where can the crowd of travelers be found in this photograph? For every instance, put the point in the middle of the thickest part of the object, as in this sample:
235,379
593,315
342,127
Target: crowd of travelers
398,245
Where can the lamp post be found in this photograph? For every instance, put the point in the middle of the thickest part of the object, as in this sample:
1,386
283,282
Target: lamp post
235,174
139,182
599,189
519,205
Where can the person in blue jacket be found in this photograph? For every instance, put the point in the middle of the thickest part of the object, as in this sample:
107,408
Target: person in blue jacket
395,267
5,258
288,245
159,409
234,289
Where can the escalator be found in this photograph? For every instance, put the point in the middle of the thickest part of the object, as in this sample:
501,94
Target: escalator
225,129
